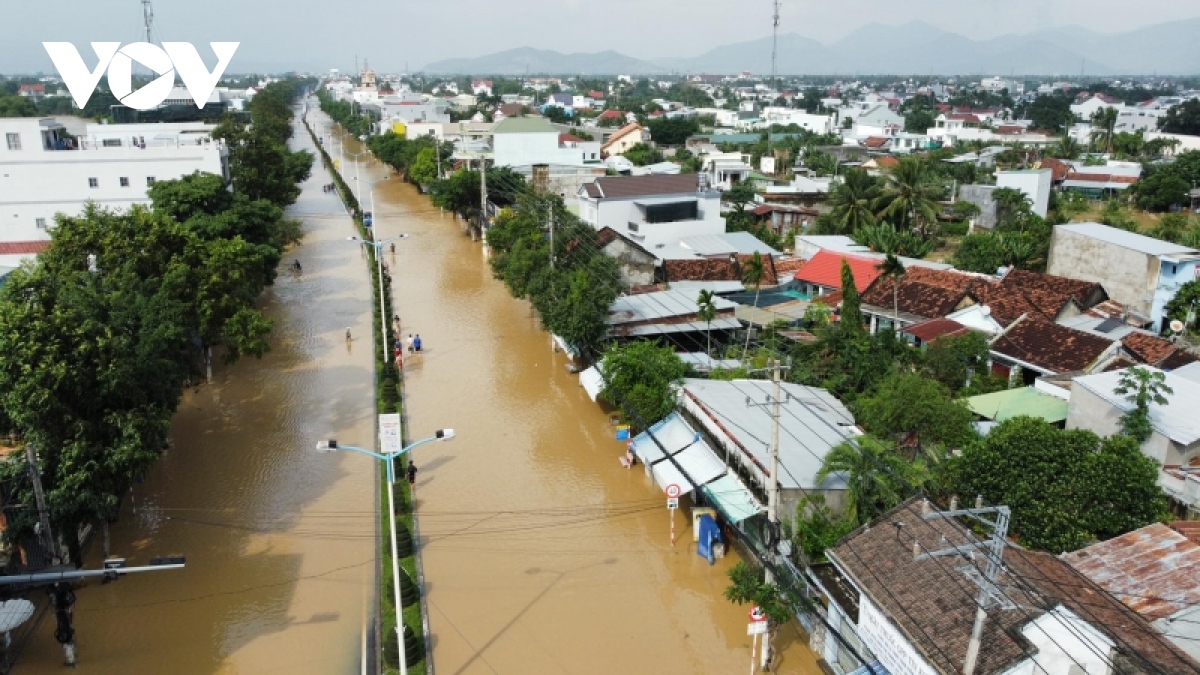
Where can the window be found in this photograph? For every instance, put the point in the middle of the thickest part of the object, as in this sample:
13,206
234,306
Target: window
668,213
40,222
633,227
93,182
124,181
149,181
111,143
14,141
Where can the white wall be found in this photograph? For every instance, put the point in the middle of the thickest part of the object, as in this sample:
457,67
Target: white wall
36,183
1033,184
521,149
1062,640
620,213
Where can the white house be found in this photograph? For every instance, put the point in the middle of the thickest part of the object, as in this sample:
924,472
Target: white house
523,141
655,210
878,121
481,87
818,124
43,173
726,169
1088,107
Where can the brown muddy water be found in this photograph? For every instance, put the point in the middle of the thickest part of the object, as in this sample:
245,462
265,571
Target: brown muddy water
542,554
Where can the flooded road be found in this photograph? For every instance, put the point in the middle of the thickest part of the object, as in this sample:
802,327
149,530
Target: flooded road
280,541
542,554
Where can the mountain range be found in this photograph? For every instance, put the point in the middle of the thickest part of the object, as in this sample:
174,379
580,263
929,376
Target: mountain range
915,48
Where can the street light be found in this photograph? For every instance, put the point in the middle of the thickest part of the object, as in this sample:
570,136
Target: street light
389,459
356,155
378,245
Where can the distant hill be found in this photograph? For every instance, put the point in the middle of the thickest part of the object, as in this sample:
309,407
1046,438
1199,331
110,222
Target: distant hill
914,48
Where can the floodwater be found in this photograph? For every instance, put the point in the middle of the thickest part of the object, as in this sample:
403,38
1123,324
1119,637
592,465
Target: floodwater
542,554
280,540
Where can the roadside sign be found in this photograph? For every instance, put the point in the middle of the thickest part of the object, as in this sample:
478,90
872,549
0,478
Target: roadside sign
673,491
757,614
756,628
389,434
672,503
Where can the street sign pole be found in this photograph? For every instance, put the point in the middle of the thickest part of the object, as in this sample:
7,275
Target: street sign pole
753,649
673,491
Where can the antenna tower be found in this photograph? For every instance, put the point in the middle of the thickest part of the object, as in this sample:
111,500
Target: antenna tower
774,43
148,19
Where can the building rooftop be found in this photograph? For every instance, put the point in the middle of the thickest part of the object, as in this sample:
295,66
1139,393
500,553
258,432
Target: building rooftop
1125,239
928,331
1177,420
825,269
1155,570
524,125
1048,345
622,187
1023,402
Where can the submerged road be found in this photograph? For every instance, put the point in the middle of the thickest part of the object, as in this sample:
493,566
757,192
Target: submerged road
280,541
542,554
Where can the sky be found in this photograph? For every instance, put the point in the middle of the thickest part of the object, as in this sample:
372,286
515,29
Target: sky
280,35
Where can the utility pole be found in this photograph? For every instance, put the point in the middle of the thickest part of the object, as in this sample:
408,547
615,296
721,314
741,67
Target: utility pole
990,594
39,495
774,43
771,540
483,197
550,209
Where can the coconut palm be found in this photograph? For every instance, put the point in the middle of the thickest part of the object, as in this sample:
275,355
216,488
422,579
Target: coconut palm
753,273
909,196
853,201
892,268
876,476
1104,124
1066,148
706,312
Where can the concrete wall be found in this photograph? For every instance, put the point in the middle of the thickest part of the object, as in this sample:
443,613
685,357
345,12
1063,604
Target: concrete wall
1086,410
620,213
636,266
981,196
1129,277
1033,184
522,149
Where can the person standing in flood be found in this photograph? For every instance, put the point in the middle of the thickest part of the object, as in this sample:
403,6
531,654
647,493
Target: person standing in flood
417,343
410,343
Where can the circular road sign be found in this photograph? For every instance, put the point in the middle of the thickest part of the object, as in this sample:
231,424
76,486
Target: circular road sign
674,490
756,614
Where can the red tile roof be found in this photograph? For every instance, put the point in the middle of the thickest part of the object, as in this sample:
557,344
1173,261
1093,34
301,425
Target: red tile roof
963,118
23,247
831,299
1050,346
1156,351
875,142
611,115
568,138
923,291
1101,178
613,187
1058,168
32,87
1051,293
1188,528
928,331
717,269
825,269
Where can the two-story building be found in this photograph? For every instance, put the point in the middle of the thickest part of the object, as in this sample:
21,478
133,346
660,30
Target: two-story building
1140,272
655,211
525,141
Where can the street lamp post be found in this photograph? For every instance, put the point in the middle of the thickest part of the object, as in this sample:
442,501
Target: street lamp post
383,319
331,446
356,155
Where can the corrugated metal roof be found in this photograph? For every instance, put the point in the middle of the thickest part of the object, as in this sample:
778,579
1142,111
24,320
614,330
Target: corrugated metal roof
732,498
592,382
524,125
1176,420
1125,239
1155,571
672,432
660,305
724,244
811,423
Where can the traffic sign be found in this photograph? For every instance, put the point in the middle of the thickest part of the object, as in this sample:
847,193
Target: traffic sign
672,503
756,628
757,614
673,491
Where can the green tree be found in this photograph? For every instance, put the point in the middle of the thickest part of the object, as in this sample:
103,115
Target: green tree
706,311
1051,112
643,154
1185,304
1066,148
1104,124
1065,488
953,359
1161,190
883,238
891,268
748,585
672,131
851,318
909,197
1141,387
920,121
877,477
818,528
753,273
639,378
853,201
911,404
1182,119
424,168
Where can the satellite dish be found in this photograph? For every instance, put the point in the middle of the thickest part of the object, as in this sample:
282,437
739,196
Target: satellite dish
13,613
1177,326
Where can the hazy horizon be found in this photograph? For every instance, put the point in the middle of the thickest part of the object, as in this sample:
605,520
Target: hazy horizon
390,36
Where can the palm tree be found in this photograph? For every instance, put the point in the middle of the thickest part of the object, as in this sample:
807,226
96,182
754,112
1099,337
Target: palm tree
876,476
1104,123
707,312
853,201
892,268
1066,148
753,273
910,197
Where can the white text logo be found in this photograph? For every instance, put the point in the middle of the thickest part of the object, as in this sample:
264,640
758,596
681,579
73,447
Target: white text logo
178,56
